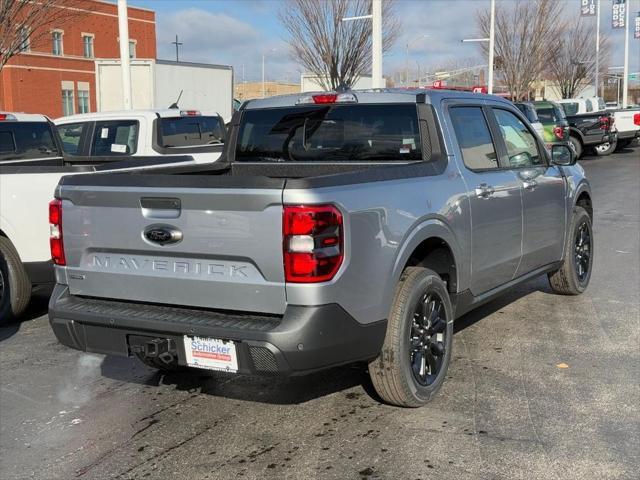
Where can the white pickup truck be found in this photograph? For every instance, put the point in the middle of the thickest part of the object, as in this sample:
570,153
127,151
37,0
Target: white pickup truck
144,133
32,162
626,121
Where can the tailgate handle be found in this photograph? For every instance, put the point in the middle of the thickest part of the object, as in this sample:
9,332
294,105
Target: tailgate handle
160,207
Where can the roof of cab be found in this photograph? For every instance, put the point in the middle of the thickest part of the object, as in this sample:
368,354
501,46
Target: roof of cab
125,114
24,117
380,95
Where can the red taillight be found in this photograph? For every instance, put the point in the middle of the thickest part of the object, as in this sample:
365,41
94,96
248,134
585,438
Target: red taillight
636,119
189,113
55,225
312,242
558,132
605,123
325,98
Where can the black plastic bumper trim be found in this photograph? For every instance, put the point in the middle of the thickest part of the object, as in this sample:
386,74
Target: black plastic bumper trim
304,339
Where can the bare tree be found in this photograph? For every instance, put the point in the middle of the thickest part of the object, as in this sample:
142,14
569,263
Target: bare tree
574,58
337,52
27,22
525,31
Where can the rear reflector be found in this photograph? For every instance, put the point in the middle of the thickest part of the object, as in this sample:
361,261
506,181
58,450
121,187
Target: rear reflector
325,98
312,242
55,226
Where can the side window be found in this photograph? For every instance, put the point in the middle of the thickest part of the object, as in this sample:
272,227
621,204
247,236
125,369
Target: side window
71,134
522,148
474,138
117,137
589,105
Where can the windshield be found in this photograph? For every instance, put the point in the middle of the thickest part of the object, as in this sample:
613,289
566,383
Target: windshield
330,133
191,131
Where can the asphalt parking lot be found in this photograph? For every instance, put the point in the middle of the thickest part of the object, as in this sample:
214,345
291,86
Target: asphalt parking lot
541,387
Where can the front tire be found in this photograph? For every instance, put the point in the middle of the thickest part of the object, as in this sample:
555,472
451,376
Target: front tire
15,287
415,356
572,278
577,146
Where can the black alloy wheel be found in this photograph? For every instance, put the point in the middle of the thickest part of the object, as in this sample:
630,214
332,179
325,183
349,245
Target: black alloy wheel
582,252
428,338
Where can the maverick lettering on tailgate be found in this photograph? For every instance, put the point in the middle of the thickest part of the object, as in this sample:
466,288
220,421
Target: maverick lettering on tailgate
184,267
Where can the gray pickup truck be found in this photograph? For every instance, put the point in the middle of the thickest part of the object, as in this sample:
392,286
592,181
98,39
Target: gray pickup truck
336,228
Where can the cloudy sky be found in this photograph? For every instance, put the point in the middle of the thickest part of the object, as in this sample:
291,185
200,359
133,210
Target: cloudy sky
238,32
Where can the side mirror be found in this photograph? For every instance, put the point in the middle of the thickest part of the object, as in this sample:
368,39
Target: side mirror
562,155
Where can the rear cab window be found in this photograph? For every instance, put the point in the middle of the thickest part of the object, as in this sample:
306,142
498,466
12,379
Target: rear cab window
571,108
115,137
27,140
333,133
191,131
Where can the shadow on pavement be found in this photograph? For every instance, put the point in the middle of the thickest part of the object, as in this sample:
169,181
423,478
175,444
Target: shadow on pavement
286,390
540,284
272,390
37,307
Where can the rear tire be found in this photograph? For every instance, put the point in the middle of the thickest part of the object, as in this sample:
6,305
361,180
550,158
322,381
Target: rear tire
415,356
605,149
15,287
577,145
572,278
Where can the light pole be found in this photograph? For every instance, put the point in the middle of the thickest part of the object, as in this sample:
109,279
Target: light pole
264,91
409,43
491,40
376,41
625,75
597,72
125,64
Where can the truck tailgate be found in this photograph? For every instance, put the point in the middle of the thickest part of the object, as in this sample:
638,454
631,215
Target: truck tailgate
198,241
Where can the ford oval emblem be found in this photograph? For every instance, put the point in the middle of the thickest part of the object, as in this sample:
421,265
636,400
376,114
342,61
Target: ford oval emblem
162,234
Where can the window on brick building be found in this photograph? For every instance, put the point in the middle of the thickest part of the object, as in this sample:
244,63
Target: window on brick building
87,45
67,102
56,38
132,49
25,44
83,101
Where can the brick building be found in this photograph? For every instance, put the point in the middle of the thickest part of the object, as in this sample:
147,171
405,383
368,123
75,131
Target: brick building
56,74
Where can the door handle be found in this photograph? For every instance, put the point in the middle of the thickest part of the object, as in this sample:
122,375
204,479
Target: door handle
484,190
530,185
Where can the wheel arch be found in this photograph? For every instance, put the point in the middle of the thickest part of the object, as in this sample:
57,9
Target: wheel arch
431,244
583,199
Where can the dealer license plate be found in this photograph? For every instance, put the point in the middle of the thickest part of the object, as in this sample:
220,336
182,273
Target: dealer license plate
211,354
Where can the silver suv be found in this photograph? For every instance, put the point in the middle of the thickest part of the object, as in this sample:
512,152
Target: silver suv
337,227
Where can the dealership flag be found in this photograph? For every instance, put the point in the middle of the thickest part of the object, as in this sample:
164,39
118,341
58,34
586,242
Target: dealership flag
618,13
636,30
587,8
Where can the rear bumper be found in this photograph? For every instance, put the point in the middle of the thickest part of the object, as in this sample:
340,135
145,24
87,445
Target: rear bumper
304,339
